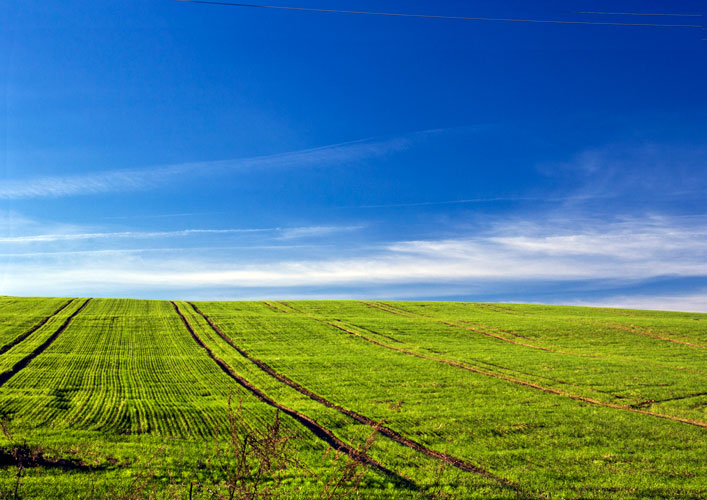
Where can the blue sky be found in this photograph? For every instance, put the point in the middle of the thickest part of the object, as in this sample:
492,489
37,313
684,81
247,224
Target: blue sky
169,149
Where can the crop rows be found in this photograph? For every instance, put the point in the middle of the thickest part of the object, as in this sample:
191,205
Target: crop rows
405,455
123,367
494,422
20,316
629,363
22,348
495,400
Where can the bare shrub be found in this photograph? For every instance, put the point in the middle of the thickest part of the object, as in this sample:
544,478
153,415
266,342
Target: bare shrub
16,451
252,463
349,473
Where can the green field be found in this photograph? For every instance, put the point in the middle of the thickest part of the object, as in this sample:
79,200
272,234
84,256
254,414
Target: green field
107,398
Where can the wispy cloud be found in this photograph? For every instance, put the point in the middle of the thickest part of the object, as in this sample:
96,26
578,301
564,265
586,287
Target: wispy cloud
316,231
621,251
284,233
45,238
693,302
161,216
495,199
631,170
612,172
156,176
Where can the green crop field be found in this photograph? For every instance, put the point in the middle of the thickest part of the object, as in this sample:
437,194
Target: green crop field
108,398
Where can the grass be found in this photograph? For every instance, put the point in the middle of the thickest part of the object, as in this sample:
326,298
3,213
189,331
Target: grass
462,400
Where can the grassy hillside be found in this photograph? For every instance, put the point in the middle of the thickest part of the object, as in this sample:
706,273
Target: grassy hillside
107,397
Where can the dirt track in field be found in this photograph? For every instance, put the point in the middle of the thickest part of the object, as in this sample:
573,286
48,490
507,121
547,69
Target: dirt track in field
312,425
408,314
526,383
498,366
268,304
648,333
386,431
677,398
402,312
29,332
550,390
39,350
640,403
634,329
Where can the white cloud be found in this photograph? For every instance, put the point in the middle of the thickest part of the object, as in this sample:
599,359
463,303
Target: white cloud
629,170
624,251
315,231
46,238
284,233
696,302
619,244
151,177
633,249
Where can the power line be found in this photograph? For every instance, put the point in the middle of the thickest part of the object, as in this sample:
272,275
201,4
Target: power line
639,14
426,16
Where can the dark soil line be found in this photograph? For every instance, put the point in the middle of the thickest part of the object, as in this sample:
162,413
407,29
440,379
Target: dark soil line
676,398
399,311
495,365
4,377
402,312
526,383
466,367
500,337
312,425
274,307
636,408
557,381
615,312
389,309
288,306
501,309
29,332
509,332
392,339
386,431
10,458
648,334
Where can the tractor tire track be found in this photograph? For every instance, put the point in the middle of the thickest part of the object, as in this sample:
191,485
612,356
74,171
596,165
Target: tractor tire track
395,310
4,377
392,339
501,367
647,333
408,314
385,431
485,332
312,425
675,398
525,383
288,306
402,312
273,307
29,332
509,332
501,309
